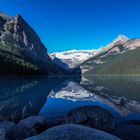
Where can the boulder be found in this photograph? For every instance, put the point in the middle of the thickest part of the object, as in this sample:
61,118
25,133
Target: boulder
26,128
73,132
19,133
4,126
93,116
35,123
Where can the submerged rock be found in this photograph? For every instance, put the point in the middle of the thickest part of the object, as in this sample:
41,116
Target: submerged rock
4,126
73,132
26,128
93,116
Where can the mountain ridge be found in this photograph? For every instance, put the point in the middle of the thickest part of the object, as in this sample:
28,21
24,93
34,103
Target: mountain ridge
73,58
120,58
22,51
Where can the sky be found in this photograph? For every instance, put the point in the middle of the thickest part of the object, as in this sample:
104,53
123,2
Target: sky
77,24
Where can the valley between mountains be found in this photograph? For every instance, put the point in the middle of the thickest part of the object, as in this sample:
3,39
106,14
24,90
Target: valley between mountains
121,56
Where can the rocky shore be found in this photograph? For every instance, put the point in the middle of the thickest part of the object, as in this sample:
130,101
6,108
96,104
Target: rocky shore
82,123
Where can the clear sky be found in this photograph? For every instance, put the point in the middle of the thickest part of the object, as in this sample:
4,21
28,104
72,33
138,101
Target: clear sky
77,24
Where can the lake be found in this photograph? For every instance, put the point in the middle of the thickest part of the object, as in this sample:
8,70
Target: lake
52,97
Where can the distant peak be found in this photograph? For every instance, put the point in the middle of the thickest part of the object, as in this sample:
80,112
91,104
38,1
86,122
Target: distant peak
119,40
122,37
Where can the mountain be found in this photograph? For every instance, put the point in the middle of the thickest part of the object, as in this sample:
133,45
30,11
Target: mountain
72,58
119,57
121,39
21,50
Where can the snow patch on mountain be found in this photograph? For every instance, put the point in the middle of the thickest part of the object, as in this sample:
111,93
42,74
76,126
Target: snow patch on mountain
74,57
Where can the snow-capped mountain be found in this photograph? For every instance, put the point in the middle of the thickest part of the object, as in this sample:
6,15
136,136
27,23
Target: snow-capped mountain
78,58
73,58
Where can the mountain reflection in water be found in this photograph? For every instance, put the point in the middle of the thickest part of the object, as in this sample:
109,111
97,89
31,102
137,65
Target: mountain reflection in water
50,97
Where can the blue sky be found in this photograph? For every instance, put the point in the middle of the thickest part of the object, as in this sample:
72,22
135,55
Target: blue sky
77,24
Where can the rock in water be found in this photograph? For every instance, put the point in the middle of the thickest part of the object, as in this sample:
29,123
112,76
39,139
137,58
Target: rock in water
93,116
73,132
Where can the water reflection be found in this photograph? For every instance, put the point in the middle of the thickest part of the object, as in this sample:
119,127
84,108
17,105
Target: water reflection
122,93
54,96
115,94
24,96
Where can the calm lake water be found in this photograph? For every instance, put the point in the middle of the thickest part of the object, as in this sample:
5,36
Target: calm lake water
52,97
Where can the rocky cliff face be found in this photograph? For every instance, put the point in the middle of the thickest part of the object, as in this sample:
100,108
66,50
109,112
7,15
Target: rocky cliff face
132,44
22,49
16,29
